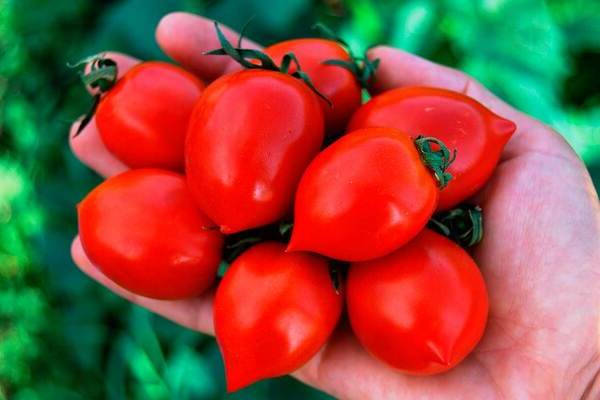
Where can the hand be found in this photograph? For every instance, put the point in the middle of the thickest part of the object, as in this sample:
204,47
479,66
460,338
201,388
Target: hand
540,255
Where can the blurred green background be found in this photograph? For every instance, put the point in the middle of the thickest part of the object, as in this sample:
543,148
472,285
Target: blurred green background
64,337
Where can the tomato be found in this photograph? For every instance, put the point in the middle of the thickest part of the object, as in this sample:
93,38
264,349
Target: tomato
339,85
477,134
421,309
273,311
143,118
363,196
142,229
251,136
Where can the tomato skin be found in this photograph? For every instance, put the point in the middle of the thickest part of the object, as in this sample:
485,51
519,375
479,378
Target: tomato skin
462,123
143,119
273,311
250,138
363,196
336,83
421,309
141,229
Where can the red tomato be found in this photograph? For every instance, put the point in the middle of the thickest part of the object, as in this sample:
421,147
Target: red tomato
273,311
251,136
363,196
338,84
141,229
143,119
477,134
421,309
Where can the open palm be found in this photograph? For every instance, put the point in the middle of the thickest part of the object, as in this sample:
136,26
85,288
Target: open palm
540,255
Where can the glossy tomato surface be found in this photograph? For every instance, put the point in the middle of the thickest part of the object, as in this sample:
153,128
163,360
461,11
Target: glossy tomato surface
251,136
421,309
336,83
477,134
363,196
142,229
273,311
143,119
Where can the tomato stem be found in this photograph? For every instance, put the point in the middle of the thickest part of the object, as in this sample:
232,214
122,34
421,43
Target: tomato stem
88,115
102,76
437,161
337,271
285,228
362,68
234,249
463,224
237,243
256,59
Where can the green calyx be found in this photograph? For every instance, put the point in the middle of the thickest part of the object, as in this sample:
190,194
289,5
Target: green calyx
256,59
233,250
285,228
237,243
361,67
463,224
102,76
437,161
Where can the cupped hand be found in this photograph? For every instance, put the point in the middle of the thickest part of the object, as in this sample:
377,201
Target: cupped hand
540,255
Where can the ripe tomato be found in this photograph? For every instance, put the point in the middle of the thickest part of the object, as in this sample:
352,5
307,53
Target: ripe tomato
251,136
421,309
363,196
141,229
143,119
339,85
477,134
273,311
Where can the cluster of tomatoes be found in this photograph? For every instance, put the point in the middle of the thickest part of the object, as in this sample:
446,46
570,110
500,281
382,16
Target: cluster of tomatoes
216,171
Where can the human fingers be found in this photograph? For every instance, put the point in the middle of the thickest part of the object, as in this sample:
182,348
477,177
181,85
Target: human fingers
185,37
87,145
399,68
91,151
193,313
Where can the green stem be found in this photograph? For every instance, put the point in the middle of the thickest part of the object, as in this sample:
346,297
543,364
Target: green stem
100,78
256,59
463,224
437,161
88,116
361,67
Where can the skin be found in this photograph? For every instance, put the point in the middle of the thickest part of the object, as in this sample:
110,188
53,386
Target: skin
540,256
337,84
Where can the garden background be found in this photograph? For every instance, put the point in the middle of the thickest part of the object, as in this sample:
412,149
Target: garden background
62,336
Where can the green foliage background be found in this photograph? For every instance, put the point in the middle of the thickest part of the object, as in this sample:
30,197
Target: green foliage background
64,337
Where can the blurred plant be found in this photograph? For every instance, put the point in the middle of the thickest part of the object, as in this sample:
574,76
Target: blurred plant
64,337
523,50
